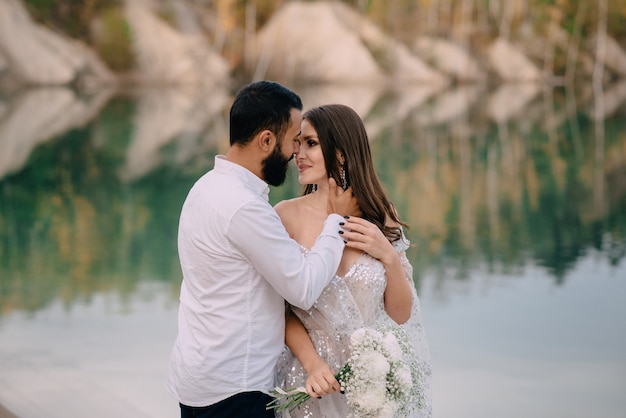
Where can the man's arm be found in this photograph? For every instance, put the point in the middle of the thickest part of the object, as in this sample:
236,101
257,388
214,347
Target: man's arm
259,234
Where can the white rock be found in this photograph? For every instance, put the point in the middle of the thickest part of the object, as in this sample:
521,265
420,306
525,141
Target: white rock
450,58
307,41
36,55
327,41
167,56
510,64
614,56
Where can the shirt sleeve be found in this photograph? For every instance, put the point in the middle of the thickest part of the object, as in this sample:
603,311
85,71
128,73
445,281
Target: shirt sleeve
256,230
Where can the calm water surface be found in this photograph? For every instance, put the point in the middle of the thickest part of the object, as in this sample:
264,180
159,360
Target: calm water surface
516,200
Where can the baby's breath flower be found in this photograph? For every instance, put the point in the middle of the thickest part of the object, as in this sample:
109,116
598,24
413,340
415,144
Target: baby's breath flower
388,410
368,400
373,366
402,378
392,347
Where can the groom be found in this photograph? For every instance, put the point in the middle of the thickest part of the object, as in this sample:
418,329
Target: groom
239,264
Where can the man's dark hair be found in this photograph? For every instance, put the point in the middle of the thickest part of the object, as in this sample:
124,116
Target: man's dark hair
261,105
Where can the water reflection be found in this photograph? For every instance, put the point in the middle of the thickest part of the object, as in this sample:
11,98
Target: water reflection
520,346
189,120
518,182
35,116
92,184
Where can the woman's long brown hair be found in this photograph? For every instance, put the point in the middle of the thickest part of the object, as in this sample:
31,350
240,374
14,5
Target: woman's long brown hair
340,128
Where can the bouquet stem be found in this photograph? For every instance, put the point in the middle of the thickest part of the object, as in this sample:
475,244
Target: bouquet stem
291,399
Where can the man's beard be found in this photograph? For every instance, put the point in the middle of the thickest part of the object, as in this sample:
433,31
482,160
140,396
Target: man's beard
274,167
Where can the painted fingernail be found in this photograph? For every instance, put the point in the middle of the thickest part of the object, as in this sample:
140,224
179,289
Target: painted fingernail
347,217
319,397
341,232
342,223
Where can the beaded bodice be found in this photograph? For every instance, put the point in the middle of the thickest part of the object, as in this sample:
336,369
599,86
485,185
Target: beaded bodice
346,304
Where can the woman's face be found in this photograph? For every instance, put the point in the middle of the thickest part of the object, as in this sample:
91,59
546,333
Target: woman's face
310,159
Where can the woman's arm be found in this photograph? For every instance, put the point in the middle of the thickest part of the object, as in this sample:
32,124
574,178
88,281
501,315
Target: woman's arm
320,378
367,237
398,295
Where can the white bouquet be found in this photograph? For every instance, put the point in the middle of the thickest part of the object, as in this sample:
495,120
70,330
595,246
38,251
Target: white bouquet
380,378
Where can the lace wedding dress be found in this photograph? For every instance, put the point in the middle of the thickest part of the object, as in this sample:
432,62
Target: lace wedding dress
347,304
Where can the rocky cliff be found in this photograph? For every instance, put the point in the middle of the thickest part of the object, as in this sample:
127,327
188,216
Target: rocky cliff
320,41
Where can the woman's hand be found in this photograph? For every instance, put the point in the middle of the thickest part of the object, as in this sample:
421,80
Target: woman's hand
321,379
367,237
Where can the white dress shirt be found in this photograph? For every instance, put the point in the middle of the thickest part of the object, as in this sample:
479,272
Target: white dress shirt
239,265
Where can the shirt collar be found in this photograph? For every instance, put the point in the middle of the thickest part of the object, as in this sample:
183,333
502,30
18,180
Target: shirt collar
251,180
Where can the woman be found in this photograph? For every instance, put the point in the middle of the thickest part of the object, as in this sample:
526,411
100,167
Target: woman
373,285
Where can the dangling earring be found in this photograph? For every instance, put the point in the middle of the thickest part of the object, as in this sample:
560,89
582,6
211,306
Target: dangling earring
342,178
314,188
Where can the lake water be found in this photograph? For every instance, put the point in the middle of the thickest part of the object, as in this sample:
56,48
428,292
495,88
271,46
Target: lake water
516,198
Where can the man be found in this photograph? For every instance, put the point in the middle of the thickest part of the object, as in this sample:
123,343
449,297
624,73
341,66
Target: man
239,264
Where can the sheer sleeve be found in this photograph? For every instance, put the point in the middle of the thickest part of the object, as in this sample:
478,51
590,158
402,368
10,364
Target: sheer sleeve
415,328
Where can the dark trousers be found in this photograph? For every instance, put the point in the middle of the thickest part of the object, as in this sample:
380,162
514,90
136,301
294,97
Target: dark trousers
241,405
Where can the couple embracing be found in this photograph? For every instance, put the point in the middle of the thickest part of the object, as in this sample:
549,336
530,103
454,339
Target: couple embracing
271,296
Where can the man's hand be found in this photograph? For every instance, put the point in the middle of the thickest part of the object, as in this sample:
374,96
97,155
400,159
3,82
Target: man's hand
340,201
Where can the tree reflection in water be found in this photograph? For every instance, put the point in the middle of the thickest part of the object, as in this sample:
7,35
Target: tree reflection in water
498,180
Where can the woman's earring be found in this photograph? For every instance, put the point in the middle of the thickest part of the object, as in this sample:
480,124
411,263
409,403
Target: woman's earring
314,188
342,178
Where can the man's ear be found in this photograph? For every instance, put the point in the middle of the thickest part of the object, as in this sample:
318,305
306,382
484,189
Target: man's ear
265,139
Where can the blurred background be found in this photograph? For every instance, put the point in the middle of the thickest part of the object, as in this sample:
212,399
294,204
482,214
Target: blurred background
498,127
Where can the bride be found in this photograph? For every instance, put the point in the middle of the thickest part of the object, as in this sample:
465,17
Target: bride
373,285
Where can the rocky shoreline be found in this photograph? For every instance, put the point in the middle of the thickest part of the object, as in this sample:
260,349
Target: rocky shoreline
322,42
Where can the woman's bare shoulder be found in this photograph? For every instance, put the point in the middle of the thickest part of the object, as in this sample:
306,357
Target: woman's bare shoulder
289,206
291,211
301,219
